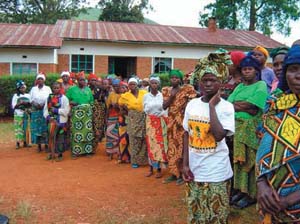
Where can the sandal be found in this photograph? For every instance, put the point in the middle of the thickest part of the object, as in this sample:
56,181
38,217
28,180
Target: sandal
245,202
49,157
179,181
134,165
169,179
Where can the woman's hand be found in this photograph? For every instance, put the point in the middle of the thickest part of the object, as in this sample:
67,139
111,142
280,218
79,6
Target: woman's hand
187,174
73,103
215,99
267,198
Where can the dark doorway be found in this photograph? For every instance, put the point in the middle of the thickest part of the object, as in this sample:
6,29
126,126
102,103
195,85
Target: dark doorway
122,66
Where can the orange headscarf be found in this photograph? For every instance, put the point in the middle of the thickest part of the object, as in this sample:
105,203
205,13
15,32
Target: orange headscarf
262,50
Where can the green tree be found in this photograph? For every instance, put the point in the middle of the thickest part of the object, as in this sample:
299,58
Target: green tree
261,15
39,11
123,10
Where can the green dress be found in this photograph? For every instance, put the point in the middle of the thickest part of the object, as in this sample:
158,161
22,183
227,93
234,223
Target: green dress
245,139
82,134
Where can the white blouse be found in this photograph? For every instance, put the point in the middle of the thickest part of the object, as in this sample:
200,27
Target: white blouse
154,104
39,95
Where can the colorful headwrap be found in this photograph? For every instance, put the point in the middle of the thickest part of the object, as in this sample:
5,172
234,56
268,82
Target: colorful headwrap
122,83
65,73
111,76
80,75
262,50
215,63
133,80
236,57
41,75
176,72
250,61
20,83
92,76
72,75
292,57
116,82
278,50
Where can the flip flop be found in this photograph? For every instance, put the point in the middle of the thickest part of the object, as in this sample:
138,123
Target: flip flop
134,165
169,179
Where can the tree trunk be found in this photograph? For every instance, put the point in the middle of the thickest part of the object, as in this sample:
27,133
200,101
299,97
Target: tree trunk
252,15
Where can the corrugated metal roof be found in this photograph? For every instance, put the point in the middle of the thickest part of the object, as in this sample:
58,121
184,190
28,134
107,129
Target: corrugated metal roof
33,35
137,32
51,36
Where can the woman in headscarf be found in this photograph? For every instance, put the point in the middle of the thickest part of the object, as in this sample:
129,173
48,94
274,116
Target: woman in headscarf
56,112
82,134
206,166
132,102
249,99
124,149
99,108
175,100
156,128
267,74
21,104
112,130
278,156
278,55
38,125
66,81
234,73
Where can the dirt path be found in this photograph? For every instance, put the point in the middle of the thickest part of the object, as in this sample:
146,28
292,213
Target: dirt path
87,190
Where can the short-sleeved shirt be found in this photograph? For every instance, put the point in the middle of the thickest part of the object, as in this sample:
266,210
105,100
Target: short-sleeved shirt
80,95
208,159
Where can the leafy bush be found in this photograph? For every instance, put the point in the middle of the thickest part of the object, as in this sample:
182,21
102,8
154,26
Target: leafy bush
8,88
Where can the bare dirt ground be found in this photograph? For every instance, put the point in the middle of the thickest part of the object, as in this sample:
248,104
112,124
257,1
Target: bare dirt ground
86,190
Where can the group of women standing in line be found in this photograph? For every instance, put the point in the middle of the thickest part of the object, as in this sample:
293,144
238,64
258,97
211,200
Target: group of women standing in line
146,127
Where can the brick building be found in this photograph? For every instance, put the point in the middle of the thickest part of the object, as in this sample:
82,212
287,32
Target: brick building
112,47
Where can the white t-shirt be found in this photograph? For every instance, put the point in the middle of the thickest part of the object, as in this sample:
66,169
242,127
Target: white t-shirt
208,159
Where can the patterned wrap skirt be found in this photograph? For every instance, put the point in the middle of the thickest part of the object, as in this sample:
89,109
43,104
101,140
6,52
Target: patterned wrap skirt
157,140
39,128
82,134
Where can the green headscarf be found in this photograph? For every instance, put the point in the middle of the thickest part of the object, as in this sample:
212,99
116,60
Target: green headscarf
279,50
215,63
176,72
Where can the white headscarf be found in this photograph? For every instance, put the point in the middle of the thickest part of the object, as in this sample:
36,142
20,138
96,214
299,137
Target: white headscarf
40,75
133,80
155,78
65,73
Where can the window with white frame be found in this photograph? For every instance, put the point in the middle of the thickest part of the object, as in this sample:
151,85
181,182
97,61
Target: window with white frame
24,68
82,63
162,65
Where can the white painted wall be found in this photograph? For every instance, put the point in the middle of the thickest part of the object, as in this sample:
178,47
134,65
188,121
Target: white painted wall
11,55
133,50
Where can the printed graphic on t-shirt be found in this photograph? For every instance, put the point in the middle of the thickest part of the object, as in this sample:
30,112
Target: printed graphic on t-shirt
201,139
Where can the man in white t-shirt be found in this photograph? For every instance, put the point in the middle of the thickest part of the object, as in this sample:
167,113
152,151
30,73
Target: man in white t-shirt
206,166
